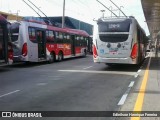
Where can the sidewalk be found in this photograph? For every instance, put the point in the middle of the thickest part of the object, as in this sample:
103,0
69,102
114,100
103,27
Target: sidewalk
151,101
152,94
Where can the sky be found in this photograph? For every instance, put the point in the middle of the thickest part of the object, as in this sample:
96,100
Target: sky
84,10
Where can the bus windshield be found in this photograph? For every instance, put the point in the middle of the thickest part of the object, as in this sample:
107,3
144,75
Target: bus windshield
113,38
114,31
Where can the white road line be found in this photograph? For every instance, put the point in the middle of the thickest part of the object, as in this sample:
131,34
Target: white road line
136,75
131,84
99,72
88,67
139,70
123,99
9,93
41,84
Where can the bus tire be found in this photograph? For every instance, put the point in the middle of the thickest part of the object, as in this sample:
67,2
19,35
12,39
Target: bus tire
60,56
52,58
85,53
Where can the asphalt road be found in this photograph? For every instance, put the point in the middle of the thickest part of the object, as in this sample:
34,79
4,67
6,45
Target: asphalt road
75,84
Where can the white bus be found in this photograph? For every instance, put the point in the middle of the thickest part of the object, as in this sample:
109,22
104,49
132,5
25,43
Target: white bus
118,41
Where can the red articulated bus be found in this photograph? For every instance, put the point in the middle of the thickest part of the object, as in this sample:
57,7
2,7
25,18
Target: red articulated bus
35,41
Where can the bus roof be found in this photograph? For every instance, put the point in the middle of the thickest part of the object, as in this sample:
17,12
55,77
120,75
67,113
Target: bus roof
115,18
68,30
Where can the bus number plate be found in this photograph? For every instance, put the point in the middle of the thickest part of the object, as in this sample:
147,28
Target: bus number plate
113,50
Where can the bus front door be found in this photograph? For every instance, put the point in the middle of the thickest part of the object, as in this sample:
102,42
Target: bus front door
2,49
73,45
41,44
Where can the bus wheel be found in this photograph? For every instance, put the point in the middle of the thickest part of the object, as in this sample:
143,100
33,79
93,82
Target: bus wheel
52,58
60,56
85,53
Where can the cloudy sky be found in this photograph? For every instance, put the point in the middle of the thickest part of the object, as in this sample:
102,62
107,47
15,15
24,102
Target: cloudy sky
85,10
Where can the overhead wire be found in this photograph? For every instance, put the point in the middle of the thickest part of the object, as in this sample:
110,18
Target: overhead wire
118,8
82,4
107,8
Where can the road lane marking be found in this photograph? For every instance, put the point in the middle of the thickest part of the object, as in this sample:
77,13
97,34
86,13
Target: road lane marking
9,93
139,71
131,84
140,97
124,97
41,84
99,72
136,75
87,67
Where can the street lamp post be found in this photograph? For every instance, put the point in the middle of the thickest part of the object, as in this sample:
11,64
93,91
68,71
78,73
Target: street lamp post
17,14
63,17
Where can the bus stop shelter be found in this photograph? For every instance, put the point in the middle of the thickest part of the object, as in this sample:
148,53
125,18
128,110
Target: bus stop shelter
151,10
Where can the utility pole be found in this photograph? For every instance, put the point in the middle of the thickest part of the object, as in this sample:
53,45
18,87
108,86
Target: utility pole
102,13
63,17
17,14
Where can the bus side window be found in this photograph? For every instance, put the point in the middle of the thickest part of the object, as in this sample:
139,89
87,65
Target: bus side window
32,34
77,39
50,37
56,35
81,41
85,41
68,38
59,37
65,37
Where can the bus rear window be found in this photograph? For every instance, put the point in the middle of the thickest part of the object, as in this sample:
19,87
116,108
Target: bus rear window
114,26
113,38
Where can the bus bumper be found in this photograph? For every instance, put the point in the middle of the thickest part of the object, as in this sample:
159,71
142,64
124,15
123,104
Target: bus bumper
115,60
18,58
